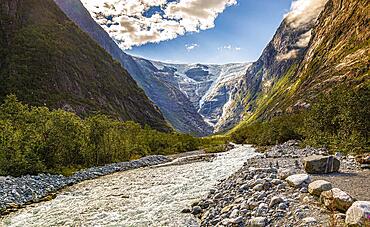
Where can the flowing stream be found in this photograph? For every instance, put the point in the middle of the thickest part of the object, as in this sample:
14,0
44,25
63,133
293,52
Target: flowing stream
142,197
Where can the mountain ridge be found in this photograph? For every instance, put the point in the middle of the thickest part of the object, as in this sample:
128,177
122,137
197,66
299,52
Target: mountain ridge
47,60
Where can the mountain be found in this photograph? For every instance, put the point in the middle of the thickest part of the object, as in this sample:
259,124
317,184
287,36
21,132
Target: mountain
208,87
303,60
47,60
187,95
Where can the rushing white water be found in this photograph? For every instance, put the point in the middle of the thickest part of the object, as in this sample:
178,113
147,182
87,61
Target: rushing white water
141,197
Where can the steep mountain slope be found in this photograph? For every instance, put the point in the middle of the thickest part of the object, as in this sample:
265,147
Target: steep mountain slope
337,53
208,87
177,89
279,58
47,60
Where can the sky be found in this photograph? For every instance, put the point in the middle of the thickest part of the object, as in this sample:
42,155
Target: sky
194,31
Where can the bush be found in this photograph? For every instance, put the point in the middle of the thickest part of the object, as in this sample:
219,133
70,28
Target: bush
36,139
340,121
277,130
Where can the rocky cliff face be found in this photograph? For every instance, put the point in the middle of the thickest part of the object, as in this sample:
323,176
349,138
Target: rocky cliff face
306,59
47,60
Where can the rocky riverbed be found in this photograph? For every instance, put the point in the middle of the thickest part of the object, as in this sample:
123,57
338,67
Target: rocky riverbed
272,189
16,192
152,196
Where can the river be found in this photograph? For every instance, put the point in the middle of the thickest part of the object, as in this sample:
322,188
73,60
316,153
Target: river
142,197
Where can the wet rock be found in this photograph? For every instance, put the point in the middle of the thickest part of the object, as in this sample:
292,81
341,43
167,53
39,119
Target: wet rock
321,164
319,186
336,199
298,180
358,214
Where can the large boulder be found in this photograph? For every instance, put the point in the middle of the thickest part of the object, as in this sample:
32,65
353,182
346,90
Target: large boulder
316,187
336,199
297,180
358,214
321,164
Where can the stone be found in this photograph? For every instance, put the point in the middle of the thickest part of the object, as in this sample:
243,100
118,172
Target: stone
298,179
284,173
365,166
358,214
309,220
319,186
196,210
336,199
237,220
226,209
276,181
319,164
244,187
234,213
258,187
257,222
275,200
186,210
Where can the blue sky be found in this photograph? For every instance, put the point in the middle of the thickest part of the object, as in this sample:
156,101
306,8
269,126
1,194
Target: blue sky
249,25
192,31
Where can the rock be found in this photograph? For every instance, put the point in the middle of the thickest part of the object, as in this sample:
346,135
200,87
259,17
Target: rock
237,220
309,220
226,209
319,186
244,187
234,213
196,210
258,187
257,222
365,166
358,214
284,173
336,199
186,210
298,179
321,164
275,200
276,181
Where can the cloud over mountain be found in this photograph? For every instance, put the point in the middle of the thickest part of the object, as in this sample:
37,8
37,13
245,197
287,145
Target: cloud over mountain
303,12
137,22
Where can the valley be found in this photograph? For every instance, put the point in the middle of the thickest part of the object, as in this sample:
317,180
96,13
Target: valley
92,135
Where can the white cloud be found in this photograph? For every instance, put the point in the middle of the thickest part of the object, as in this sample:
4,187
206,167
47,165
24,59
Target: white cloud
190,47
229,48
291,54
124,20
303,12
304,39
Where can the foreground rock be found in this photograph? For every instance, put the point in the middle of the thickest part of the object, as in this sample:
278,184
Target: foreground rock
358,214
319,186
272,190
298,180
336,199
16,192
321,164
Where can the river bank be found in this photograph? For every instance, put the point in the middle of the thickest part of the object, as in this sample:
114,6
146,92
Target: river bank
151,196
259,195
17,192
